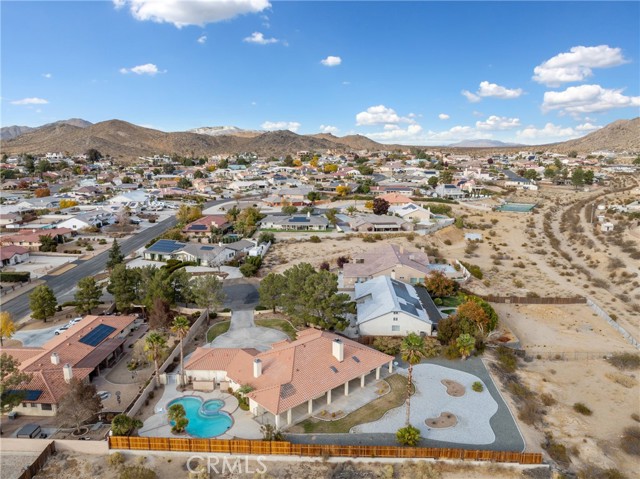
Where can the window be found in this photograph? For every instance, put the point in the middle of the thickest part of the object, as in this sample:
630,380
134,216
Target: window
395,319
46,407
395,328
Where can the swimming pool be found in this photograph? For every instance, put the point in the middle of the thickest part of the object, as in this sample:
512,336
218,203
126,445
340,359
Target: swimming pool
517,207
205,418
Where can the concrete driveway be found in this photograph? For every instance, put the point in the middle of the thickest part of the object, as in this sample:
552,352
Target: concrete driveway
243,333
35,337
242,294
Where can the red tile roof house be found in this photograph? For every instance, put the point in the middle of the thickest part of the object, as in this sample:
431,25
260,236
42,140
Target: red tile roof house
10,255
31,239
82,351
292,374
201,228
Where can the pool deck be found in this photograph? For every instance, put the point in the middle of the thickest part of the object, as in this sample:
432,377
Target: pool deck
244,426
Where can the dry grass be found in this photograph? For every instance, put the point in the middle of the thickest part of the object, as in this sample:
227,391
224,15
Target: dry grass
622,379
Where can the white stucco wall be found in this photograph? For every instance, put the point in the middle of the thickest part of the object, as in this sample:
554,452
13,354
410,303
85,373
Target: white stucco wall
382,326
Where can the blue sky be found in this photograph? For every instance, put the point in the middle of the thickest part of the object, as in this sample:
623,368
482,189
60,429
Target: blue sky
413,73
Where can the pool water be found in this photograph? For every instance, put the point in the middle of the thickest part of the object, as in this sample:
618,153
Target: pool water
517,207
205,419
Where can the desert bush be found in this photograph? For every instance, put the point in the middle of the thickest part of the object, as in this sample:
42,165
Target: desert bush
507,359
630,440
595,472
582,409
636,417
115,459
137,472
557,452
477,387
547,399
622,379
315,239
447,242
625,360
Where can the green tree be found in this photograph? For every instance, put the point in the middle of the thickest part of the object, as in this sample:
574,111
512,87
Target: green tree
48,244
123,285
588,177
155,345
331,215
550,172
178,417
271,290
313,196
266,237
7,327
380,206
473,312
87,295
159,313
123,425
208,293
531,174
115,256
572,154
11,379
43,302
247,220
184,183
180,327
636,161
413,351
577,178
180,283
432,181
289,210
93,155
408,436
465,343
446,177
80,402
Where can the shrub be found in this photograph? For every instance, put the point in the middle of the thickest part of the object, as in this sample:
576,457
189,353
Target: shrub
547,399
102,241
15,277
557,451
630,440
447,242
315,239
452,351
477,387
636,417
137,472
625,360
387,344
475,270
582,409
507,359
115,459
408,436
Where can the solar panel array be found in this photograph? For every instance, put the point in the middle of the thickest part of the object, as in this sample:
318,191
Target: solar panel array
198,227
97,335
28,394
165,246
409,308
207,248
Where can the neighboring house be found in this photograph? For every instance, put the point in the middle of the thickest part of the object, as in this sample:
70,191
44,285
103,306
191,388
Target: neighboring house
44,203
201,228
162,250
248,185
412,212
83,352
31,239
449,191
10,219
132,199
202,254
387,260
11,255
386,307
292,196
96,219
395,198
516,181
405,190
295,222
378,223
293,379
606,227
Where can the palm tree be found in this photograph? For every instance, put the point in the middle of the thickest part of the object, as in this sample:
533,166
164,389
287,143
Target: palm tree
413,351
155,345
465,343
180,327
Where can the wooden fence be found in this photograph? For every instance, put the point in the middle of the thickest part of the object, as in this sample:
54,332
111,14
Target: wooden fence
39,463
532,300
284,448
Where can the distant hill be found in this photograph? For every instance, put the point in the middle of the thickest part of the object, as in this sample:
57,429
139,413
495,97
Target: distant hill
354,142
225,130
621,135
482,144
10,132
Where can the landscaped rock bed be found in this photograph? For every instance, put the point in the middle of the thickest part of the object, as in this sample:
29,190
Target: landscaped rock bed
454,388
446,419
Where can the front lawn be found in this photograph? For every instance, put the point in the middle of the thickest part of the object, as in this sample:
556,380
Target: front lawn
279,324
452,301
217,329
368,413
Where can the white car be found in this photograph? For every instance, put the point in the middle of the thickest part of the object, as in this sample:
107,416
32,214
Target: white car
61,329
75,320
104,395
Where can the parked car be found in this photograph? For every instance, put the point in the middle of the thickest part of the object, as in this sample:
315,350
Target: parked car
61,329
104,395
75,321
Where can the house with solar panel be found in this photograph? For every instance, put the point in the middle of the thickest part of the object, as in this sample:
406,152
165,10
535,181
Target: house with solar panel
202,254
386,307
83,351
306,222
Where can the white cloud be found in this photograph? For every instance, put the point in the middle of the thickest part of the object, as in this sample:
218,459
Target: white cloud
380,115
346,83
396,134
577,64
588,127
587,99
30,101
443,116
47,75
549,133
259,38
331,61
498,123
492,90
487,89
473,98
194,12
281,125
329,129
202,39
146,69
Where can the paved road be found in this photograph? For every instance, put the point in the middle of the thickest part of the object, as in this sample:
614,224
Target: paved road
63,284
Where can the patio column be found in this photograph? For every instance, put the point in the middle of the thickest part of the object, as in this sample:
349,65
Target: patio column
277,416
346,388
391,366
310,407
289,417
329,397
378,373
362,380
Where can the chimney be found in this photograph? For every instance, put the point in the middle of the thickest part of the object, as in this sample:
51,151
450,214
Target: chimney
337,349
257,368
220,243
393,274
67,373
55,359
308,214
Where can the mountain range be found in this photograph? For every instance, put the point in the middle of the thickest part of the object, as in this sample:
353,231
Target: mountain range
125,140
